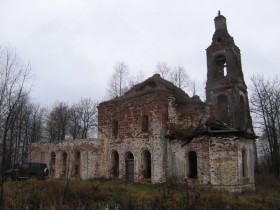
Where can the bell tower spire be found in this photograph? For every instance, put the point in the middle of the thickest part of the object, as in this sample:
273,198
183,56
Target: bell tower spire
225,87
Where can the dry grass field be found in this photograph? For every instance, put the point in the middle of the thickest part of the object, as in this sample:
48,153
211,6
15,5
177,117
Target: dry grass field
112,194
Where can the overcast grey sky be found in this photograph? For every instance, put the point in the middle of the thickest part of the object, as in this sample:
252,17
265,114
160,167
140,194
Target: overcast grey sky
73,45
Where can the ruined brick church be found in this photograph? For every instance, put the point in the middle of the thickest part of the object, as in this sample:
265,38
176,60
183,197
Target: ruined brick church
155,132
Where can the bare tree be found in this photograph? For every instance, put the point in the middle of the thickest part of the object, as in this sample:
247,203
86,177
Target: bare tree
163,70
75,128
13,88
265,105
83,118
180,78
133,80
118,84
57,122
195,88
36,123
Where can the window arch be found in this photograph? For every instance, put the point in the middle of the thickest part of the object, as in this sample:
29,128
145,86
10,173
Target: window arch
146,164
77,163
192,159
52,164
244,163
221,66
115,164
64,164
129,167
223,108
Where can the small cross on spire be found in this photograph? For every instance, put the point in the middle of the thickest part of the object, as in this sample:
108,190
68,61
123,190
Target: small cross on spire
219,13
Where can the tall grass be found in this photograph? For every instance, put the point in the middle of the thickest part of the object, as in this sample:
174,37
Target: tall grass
110,194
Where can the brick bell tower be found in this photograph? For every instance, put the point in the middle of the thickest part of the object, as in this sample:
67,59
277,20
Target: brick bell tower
225,87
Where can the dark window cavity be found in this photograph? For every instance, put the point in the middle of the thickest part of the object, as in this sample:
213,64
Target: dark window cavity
77,163
115,164
129,167
145,124
52,164
146,164
115,128
192,165
244,163
64,163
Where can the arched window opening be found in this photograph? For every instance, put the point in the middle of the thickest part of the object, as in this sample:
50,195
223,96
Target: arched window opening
52,164
129,167
146,164
145,124
223,109
115,128
64,164
77,163
115,164
192,165
244,164
221,66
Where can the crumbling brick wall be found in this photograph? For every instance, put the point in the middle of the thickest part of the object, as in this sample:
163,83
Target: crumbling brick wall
144,136
179,161
131,138
227,163
89,158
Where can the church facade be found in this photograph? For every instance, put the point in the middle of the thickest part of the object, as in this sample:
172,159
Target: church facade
156,133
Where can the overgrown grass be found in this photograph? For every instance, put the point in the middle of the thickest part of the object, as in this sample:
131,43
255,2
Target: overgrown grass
111,194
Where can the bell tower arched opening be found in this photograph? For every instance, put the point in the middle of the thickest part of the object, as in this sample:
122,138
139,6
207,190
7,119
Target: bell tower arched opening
221,66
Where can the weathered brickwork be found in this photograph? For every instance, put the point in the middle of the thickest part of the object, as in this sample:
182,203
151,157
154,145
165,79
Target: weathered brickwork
155,132
82,159
129,114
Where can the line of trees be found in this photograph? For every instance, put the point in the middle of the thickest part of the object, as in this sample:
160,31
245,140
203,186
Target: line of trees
121,81
23,122
179,77
265,107
14,90
78,121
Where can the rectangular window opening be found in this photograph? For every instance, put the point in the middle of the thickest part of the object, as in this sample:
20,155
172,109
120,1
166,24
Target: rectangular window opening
145,124
115,128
